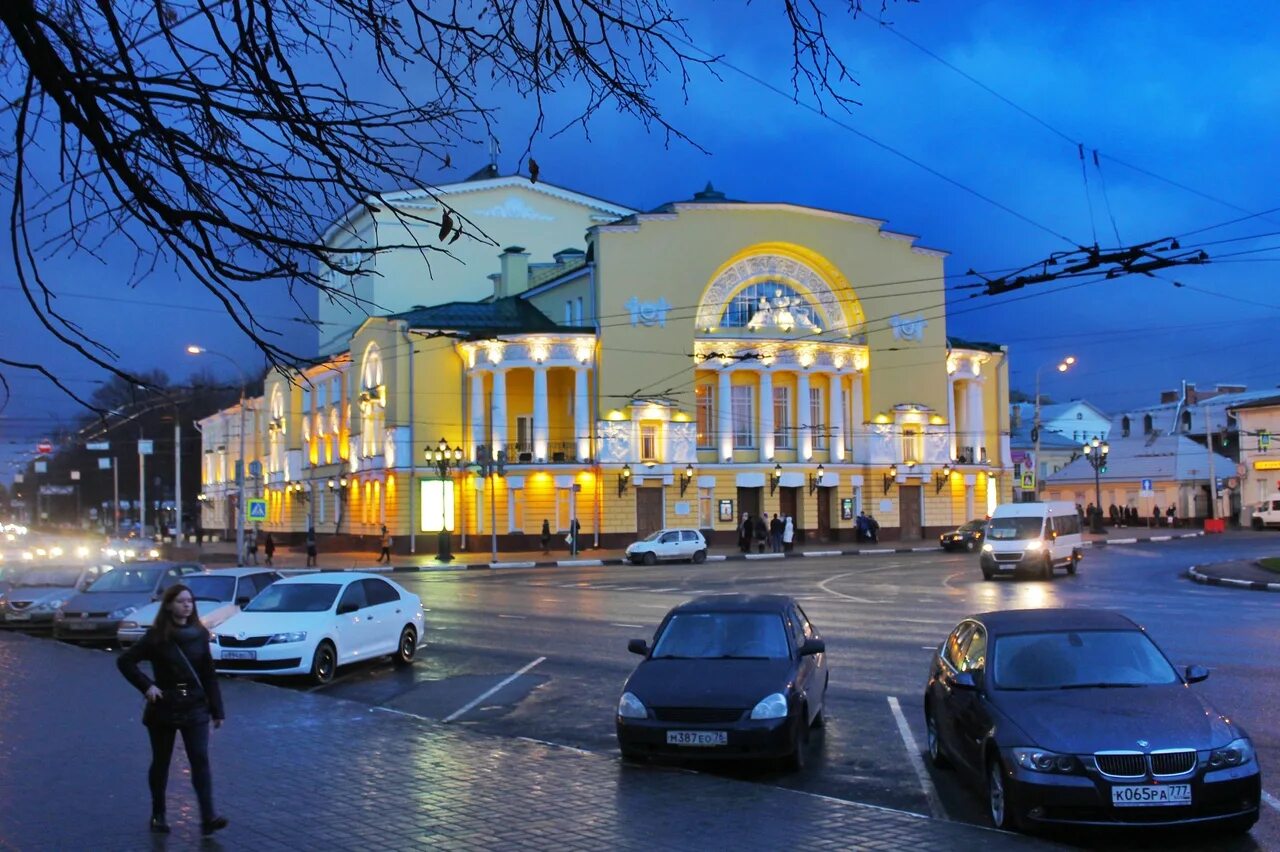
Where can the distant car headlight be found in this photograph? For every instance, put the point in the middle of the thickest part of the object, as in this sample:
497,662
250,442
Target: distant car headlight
770,707
56,551
630,707
123,612
282,638
1042,760
986,548
153,553
1035,545
82,552
1237,753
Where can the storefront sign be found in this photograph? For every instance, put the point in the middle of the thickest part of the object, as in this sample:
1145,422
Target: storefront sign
1267,464
437,505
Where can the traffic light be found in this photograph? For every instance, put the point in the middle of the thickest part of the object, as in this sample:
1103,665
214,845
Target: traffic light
1224,437
1103,469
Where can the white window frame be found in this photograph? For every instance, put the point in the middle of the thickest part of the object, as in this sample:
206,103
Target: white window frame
912,447
524,425
650,440
705,405
782,438
742,405
818,418
706,506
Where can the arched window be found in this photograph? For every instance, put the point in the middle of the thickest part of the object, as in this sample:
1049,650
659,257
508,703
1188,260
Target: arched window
1124,426
1186,421
772,304
373,401
275,431
1146,424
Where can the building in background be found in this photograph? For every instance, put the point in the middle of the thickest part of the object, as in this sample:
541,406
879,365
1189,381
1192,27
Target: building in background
1257,421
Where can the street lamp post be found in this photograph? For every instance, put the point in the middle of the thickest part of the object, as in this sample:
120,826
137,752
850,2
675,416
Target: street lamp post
1062,366
244,469
1096,452
444,459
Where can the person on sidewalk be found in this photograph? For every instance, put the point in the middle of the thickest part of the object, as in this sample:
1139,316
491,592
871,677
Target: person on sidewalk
745,532
761,532
546,536
1114,512
788,534
385,553
860,527
574,529
311,546
1155,516
182,696
251,546
776,527
269,548
873,529
1172,514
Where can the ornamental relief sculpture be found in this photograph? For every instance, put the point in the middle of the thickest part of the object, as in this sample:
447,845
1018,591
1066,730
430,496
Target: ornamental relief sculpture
682,442
615,441
785,269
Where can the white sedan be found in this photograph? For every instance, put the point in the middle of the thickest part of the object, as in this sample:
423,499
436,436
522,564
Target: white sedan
219,594
666,545
312,623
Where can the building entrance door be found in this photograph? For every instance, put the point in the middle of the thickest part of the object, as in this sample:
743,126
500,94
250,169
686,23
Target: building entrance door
789,505
909,511
648,511
748,501
825,496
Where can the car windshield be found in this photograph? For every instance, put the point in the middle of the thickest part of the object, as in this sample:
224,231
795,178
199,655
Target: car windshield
1009,529
723,635
1079,660
295,597
127,580
973,526
653,536
208,588
50,577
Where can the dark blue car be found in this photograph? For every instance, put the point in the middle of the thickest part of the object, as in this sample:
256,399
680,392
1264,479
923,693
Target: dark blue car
1075,717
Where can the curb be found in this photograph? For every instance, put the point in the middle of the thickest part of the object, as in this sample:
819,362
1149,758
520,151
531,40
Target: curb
1107,543
1208,580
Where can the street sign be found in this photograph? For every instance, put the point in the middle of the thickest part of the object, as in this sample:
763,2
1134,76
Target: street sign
255,510
1147,490
42,467
57,490
99,447
1264,440
44,447
255,468
104,463
145,448
17,479
1028,482
75,476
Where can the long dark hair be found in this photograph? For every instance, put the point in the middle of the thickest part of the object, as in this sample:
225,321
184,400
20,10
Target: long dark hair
164,622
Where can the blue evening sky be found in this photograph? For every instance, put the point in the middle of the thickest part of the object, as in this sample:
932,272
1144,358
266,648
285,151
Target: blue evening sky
1171,88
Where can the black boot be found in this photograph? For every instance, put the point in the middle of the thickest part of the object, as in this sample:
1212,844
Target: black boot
209,826
158,825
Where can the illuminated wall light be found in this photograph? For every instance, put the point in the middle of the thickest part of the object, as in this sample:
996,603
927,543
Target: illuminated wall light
539,350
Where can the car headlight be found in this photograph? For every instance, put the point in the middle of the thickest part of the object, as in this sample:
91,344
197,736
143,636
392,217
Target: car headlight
123,612
82,552
1237,753
1042,760
48,606
213,638
770,707
153,553
986,548
630,707
1035,545
57,551
128,625
281,638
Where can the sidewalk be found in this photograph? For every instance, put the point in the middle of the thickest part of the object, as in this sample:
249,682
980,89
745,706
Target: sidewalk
425,559
294,770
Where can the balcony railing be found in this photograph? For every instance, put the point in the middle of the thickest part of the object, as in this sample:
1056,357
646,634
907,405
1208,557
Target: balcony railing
558,452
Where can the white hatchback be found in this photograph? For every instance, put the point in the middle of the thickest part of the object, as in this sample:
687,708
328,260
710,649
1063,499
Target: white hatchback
667,545
313,623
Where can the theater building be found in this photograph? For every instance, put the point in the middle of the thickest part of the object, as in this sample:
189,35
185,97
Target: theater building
679,367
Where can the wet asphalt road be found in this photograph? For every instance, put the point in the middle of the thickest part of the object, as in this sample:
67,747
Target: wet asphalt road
566,629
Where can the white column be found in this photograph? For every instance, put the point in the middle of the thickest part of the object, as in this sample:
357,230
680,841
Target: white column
541,421
724,414
858,419
479,417
766,415
977,426
963,428
581,408
835,414
498,419
951,414
802,415
968,497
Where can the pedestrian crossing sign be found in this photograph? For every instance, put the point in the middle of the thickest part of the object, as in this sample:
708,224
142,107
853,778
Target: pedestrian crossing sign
255,510
1028,482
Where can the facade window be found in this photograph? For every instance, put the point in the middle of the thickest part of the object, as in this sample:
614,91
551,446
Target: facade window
568,311
649,442
911,444
1146,424
744,420
706,500
515,510
372,400
524,434
780,299
782,419
1124,426
705,402
817,419
577,311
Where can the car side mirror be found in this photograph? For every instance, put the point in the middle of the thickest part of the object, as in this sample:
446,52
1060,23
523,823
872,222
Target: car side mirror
1195,674
638,646
964,680
344,608
813,646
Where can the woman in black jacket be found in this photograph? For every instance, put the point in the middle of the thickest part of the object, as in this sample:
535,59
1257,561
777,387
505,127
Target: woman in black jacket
182,696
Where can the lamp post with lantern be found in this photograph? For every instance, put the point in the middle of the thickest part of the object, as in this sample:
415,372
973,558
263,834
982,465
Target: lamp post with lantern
444,459
1096,452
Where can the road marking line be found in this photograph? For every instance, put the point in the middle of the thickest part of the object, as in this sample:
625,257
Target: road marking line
549,600
823,586
917,763
653,606
631,626
1271,800
401,713
671,589
556,745
488,692
520,617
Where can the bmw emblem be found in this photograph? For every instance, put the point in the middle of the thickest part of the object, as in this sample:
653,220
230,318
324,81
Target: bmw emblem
1143,743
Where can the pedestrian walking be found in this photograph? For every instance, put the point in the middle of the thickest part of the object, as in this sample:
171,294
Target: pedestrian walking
745,532
860,527
1172,514
1114,513
251,544
873,528
269,548
311,546
182,696
386,547
1155,514
788,533
574,529
776,527
761,532
546,536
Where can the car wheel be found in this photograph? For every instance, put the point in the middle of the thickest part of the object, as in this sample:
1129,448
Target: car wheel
650,558
408,646
1239,825
1075,560
699,557
936,757
971,546
630,755
986,575
799,757
998,801
1046,573
324,664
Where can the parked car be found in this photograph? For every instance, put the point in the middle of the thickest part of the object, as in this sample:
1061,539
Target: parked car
95,614
313,623
1032,538
967,536
728,676
219,594
668,545
1075,716
37,594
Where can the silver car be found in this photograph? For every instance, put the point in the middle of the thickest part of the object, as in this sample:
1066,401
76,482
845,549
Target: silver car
37,593
95,614
219,594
